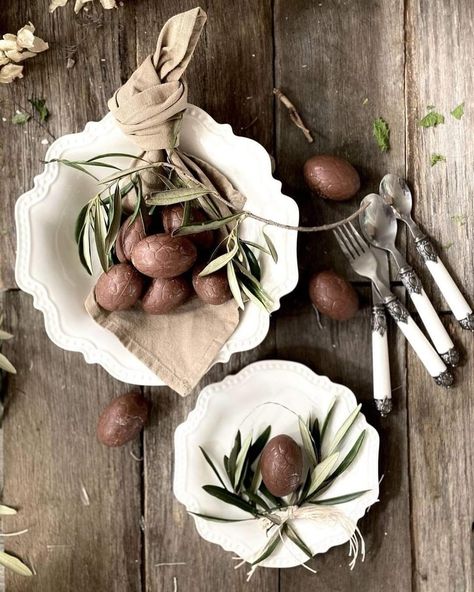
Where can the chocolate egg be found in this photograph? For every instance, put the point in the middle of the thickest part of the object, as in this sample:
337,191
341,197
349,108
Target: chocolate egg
120,288
172,217
122,419
281,464
164,295
164,256
213,288
129,235
333,296
331,177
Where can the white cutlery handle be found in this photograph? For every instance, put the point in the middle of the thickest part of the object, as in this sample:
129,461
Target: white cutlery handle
456,301
380,361
436,330
423,348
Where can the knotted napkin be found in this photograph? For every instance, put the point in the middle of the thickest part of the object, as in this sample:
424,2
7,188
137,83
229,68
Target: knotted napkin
179,347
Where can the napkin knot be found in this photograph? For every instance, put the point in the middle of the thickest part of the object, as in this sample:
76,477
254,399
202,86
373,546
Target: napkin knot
150,105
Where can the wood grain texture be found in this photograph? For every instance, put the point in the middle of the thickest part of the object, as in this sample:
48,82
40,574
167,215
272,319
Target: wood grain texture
341,350
442,475
342,63
74,96
440,46
51,450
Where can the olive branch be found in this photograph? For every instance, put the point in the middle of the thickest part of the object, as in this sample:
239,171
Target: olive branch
241,485
100,219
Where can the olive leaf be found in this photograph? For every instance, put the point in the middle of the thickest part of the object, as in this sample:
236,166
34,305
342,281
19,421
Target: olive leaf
211,464
81,221
229,498
208,225
257,500
174,196
320,472
350,457
100,233
259,445
252,261
6,365
297,540
84,247
13,563
270,547
276,501
327,419
271,246
344,429
233,457
308,443
340,499
220,261
234,285
218,519
256,246
241,458
115,219
316,438
137,184
256,479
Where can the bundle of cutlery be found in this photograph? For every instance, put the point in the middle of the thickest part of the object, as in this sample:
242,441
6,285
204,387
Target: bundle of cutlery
368,258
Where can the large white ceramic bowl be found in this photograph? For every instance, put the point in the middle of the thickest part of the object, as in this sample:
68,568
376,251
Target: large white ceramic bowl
246,402
48,267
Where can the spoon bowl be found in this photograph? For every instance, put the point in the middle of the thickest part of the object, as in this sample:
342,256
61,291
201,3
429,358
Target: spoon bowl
396,194
378,222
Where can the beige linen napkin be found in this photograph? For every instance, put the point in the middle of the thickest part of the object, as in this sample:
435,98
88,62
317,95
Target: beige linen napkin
179,346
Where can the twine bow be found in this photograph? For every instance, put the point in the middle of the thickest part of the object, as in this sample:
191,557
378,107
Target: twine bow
315,513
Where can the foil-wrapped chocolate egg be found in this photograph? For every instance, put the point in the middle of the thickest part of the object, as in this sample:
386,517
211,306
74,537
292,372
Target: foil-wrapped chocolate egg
120,288
128,237
166,294
333,296
164,256
172,217
213,288
123,419
331,177
281,464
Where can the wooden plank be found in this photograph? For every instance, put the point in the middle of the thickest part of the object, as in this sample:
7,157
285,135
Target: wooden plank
441,474
170,534
343,66
51,450
440,45
74,96
231,78
341,351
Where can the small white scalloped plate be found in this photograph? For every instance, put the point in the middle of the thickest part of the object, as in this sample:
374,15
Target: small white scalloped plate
242,402
48,268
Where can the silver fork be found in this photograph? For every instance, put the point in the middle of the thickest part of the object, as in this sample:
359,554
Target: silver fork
363,262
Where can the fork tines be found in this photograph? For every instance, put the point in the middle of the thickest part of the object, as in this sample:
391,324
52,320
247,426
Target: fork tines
350,241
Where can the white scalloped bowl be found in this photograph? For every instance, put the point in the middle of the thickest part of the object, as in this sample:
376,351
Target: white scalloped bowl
242,402
48,268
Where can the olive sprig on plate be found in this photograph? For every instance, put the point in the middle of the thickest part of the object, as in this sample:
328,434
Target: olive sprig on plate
252,478
101,218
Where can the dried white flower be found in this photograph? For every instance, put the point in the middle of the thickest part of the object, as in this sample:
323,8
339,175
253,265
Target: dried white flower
107,4
18,48
9,72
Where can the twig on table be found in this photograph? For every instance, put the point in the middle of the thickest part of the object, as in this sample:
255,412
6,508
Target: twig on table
84,495
294,115
175,584
170,564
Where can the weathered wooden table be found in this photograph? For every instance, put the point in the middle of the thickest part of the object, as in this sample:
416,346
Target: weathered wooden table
343,63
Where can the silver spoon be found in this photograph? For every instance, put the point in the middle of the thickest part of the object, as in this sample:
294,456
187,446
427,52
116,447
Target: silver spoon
379,225
396,194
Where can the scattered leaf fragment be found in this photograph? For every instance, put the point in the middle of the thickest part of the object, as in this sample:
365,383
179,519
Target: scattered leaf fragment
20,118
459,219
7,510
432,118
39,106
458,111
435,158
447,245
365,101
381,132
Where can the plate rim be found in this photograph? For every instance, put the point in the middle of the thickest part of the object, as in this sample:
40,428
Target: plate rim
42,300
190,424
